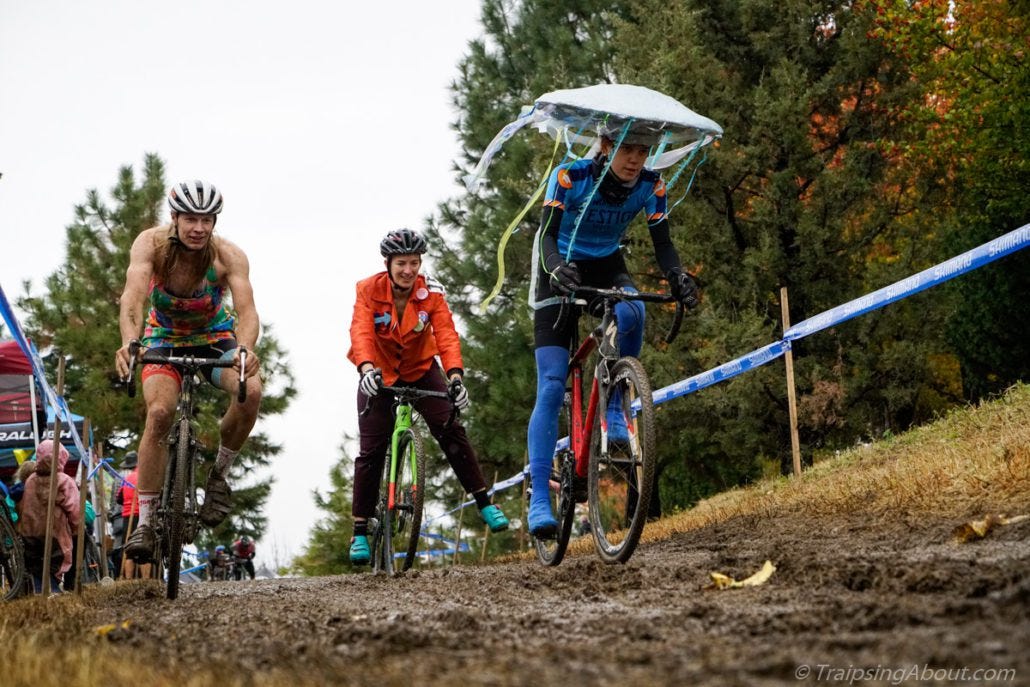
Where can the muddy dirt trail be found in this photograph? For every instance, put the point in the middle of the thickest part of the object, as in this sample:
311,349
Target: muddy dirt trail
900,601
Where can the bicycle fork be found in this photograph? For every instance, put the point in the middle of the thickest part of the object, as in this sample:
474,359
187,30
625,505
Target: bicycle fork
401,425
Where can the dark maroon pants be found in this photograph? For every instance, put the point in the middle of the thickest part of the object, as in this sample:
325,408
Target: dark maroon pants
376,427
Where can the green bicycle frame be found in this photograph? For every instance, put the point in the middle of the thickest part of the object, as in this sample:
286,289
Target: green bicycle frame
401,424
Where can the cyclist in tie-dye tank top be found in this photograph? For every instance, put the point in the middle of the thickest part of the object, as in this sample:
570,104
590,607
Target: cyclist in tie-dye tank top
183,271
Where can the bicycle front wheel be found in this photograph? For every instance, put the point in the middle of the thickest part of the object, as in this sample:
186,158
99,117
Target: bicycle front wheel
12,559
175,508
409,490
621,474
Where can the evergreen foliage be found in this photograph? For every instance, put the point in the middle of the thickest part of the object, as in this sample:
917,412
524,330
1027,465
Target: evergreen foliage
77,315
840,172
529,48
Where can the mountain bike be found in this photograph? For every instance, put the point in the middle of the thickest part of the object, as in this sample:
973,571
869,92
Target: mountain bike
178,511
615,478
395,528
12,557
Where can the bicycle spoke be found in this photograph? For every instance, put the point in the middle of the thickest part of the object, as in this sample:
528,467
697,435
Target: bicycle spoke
621,473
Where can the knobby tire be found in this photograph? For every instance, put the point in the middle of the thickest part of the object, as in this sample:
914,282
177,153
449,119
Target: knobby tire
12,559
620,483
175,513
551,551
407,517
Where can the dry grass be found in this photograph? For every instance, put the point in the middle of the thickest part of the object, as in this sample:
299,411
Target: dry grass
53,643
973,462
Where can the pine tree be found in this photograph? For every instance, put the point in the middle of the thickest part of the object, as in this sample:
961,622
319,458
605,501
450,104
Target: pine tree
77,316
530,48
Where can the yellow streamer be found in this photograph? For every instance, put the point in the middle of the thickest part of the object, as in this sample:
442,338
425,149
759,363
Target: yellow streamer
511,230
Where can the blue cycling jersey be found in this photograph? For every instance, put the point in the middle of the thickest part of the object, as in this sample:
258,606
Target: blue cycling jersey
603,223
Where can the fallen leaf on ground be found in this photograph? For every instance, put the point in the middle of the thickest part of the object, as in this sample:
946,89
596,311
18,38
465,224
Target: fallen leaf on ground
978,529
720,581
105,630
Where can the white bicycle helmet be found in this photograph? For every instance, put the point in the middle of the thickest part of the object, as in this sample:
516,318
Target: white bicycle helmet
195,198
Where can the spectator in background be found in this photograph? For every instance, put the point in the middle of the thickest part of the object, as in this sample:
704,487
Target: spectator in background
32,523
128,498
220,564
18,488
243,550
118,522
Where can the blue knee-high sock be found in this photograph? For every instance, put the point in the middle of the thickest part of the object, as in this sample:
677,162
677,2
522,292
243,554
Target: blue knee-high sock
630,316
552,365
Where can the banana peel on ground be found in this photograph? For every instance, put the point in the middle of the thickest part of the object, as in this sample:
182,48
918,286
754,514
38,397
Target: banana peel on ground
978,529
720,581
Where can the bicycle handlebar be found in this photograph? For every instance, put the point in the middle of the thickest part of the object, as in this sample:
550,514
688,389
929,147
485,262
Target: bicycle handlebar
614,295
407,394
188,363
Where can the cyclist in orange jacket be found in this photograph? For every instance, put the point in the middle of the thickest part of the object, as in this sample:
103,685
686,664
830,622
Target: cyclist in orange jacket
401,324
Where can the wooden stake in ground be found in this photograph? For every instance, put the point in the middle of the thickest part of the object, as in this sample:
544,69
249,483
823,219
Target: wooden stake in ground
523,544
457,537
486,532
795,443
54,469
101,499
81,534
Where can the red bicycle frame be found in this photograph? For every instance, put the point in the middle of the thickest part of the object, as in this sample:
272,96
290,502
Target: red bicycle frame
578,431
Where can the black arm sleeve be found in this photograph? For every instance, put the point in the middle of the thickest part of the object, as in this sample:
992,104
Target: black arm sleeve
664,252
550,223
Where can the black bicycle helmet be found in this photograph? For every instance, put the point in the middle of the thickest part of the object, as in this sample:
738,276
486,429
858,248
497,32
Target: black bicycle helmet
402,242
195,198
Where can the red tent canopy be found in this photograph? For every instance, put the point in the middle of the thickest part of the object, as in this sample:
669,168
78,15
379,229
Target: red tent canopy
12,360
15,378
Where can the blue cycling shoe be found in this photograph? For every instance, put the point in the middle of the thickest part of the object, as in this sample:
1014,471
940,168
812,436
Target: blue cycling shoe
541,521
494,518
618,432
360,554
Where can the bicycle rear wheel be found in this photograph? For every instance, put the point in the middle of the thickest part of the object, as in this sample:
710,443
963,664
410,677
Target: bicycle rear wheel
12,559
410,486
620,477
551,551
175,507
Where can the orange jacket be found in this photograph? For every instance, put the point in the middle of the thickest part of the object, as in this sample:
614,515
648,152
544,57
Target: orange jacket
403,350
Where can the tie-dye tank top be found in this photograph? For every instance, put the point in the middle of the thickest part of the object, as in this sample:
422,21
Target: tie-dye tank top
198,320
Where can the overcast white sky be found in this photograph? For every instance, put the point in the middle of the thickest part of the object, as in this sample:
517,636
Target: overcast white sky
323,123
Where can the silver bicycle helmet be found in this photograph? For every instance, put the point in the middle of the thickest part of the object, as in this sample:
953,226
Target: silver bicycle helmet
195,198
402,242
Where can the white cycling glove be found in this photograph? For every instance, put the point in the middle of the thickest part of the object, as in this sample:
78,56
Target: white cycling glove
371,382
459,394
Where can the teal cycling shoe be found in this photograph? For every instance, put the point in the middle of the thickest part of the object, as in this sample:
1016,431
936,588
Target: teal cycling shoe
360,554
541,521
494,518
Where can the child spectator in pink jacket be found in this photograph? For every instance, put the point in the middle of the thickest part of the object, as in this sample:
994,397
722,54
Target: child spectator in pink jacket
32,524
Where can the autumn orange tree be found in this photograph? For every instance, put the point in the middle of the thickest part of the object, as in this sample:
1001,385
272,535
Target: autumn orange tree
965,142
